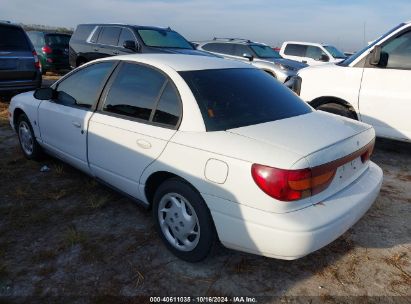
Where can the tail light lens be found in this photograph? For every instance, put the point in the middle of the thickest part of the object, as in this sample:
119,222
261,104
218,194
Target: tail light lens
291,185
36,60
46,49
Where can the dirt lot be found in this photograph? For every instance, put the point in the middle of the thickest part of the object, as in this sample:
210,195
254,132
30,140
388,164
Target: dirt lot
64,235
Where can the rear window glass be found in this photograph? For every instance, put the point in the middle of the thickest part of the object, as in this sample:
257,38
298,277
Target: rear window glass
233,98
13,39
55,39
164,38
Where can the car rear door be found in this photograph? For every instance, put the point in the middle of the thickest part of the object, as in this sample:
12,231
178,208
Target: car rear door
137,116
63,121
16,55
385,95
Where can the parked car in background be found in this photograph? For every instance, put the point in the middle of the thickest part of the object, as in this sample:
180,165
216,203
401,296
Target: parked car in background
52,49
19,64
93,41
373,85
254,53
311,53
266,173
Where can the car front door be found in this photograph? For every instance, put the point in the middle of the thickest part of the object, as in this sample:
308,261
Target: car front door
63,120
137,116
385,95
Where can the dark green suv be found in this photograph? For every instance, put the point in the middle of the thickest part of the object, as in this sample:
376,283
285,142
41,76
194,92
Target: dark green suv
52,49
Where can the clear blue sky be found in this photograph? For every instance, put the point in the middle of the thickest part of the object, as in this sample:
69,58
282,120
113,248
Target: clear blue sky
338,22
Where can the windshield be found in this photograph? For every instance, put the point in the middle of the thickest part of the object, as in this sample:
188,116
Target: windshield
233,98
164,39
57,39
336,53
264,51
353,57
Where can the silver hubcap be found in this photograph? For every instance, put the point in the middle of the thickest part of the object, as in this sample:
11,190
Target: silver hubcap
26,139
178,222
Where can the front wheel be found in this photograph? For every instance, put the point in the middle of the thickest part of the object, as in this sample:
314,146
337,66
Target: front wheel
28,143
183,220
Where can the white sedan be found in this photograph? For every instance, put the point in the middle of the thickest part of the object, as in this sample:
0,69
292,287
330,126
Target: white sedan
218,149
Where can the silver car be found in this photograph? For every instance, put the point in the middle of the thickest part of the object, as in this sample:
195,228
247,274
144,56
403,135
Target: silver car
258,54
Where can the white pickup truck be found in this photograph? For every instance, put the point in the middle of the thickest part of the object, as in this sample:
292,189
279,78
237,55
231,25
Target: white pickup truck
373,85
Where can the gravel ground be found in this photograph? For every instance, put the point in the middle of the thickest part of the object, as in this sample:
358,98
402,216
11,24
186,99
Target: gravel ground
64,236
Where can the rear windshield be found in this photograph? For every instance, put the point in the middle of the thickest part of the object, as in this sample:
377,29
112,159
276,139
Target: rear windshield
164,39
56,39
13,39
233,98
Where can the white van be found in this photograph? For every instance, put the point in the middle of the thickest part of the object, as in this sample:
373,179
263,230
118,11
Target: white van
311,53
373,85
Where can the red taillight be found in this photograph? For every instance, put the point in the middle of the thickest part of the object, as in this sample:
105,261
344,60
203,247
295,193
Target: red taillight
46,49
290,185
36,60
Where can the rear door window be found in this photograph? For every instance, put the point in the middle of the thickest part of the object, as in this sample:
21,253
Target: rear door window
222,48
13,39
240,50
295,50
135,91
109,35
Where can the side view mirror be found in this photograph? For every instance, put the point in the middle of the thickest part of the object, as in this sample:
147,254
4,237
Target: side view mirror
44,94
131,45
375,55
248,56
324,58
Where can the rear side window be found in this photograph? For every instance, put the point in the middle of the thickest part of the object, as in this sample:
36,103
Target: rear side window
135,91
169,108
13,39
295,50
83,88
83,31
109,35
222,48
240,50
232,98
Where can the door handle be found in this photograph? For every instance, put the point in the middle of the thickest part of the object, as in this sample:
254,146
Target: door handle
96,49
142,143
115,52
76,124
304,61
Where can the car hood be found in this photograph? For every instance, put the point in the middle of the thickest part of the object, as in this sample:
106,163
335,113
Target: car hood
291,63
308,134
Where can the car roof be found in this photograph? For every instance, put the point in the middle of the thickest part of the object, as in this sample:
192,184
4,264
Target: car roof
182,62
147,27
231,40
306,43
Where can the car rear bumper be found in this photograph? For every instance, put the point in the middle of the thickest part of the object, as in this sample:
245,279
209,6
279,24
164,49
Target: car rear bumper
295,234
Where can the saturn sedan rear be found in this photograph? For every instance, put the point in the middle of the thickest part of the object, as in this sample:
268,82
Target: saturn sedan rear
218,149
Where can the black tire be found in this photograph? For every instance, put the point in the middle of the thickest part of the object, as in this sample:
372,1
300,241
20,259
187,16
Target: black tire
36,151
337,109
207,234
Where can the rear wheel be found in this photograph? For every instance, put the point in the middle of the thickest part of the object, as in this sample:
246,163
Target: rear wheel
28,143
183,220
338,109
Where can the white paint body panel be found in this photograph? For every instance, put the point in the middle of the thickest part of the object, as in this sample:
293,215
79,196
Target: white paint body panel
125,153
380,96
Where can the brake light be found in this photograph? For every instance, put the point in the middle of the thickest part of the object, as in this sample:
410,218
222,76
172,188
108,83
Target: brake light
36,60
46,49
291,185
